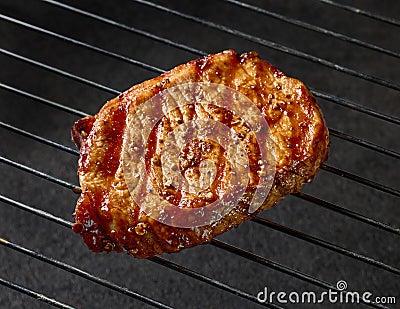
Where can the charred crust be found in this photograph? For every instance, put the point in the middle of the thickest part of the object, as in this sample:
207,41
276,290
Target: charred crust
78,227
81,129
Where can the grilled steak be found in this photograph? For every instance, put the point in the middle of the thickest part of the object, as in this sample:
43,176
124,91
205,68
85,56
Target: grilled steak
107,216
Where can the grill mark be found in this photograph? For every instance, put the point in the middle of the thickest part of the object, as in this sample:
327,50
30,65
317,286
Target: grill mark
113,141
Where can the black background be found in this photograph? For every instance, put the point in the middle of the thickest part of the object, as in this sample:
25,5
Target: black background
144,276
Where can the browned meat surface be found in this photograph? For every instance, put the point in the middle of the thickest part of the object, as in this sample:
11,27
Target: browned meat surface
109,219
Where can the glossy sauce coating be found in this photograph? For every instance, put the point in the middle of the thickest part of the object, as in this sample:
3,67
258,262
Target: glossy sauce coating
108,218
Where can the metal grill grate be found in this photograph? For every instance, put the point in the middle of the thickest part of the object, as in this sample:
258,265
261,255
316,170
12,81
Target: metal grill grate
373,186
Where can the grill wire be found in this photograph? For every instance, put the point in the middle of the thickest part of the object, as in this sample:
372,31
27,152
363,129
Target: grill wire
219,244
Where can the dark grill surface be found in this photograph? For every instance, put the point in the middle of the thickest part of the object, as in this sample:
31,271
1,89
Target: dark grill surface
60,62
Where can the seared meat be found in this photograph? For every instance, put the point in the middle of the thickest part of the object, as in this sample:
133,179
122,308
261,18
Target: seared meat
109,218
